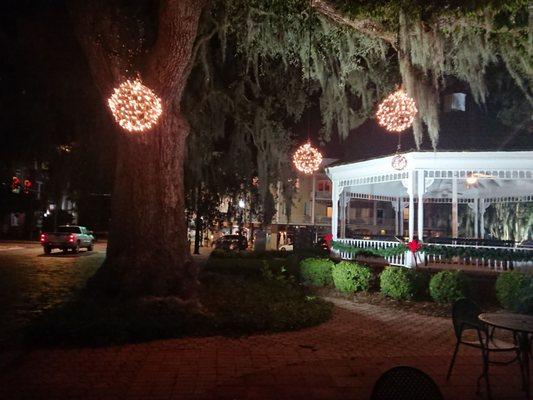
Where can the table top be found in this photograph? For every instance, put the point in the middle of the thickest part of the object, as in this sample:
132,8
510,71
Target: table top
514,322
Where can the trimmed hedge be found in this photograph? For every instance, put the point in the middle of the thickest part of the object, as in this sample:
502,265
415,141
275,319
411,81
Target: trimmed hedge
350,277
316,271
448,286
400,283
514,291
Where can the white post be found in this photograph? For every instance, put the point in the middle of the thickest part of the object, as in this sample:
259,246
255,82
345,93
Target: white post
482,208
420,217
343,214
313,201
335,208
348,203
402,207
375,216
476,218
411,193
397,208
455,209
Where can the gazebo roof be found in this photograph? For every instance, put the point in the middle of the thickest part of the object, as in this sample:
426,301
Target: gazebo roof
497,175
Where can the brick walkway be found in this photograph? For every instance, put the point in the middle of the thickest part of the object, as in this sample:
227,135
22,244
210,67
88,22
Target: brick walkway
340,359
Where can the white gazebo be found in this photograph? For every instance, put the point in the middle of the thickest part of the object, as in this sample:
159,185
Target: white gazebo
478,179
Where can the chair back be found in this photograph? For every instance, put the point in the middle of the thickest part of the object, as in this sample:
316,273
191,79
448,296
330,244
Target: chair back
465,316
407,383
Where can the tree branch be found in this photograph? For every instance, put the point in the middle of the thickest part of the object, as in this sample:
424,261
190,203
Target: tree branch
171,54
366,27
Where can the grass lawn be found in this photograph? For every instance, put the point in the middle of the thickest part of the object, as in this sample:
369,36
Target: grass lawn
233,304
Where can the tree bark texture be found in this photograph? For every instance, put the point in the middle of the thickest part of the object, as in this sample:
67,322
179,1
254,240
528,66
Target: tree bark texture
147,249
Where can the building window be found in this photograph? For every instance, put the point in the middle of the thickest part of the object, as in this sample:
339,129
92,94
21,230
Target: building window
324,186
329,212
379,216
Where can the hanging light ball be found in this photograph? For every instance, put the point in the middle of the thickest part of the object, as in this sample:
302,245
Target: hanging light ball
397,112
307,159
135,107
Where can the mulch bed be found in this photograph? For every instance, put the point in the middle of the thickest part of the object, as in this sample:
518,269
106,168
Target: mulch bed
423,307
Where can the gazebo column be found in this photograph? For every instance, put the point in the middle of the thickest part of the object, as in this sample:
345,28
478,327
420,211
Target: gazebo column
411,193
375,216
397,206
482,208
335,209
455,209
343,214
474,206
420,217
402,207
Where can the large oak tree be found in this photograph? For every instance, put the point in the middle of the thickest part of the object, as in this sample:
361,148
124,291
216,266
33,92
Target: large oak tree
147,249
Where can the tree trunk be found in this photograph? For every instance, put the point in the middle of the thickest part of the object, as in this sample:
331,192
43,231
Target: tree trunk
147,249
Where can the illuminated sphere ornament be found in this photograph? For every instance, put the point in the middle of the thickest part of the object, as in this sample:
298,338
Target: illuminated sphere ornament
135,107
397,112
307,159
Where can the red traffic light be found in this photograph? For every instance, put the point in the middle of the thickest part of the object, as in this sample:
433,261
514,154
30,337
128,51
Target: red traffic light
15,185
27,185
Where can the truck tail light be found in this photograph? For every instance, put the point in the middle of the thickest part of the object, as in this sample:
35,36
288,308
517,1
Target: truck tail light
71,238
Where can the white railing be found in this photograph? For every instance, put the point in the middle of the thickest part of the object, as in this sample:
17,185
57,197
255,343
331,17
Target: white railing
371,244
497,265
401,259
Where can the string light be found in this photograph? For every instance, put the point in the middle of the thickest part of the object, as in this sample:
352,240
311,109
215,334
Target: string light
135,107
397,112
307,159
471,180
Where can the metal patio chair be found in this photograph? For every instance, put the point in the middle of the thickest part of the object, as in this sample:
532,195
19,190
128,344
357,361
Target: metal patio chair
472,332
407,383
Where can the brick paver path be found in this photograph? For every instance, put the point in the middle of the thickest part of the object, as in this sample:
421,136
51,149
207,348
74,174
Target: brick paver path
340,359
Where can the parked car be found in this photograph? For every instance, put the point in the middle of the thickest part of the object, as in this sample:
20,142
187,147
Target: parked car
67,237
231,242
286,247
319,244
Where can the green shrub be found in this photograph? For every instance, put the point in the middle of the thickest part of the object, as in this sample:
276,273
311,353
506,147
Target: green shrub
316,271
350,277
448,286
400,283
514,291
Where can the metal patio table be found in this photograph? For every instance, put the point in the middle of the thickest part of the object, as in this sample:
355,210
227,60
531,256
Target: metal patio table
522,326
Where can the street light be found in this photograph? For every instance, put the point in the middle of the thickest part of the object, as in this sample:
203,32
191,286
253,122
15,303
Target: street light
241,215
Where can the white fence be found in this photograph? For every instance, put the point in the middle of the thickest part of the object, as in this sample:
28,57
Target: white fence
402,259
371,244
496,265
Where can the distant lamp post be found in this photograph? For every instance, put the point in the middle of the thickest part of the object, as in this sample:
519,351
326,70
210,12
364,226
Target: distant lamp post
241,215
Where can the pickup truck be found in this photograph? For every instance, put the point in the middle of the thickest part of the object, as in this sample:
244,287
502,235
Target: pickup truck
67,237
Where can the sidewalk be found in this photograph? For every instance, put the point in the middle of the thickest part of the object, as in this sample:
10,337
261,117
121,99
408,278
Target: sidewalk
340,359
